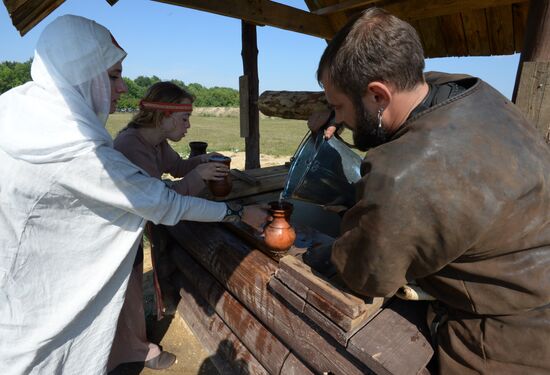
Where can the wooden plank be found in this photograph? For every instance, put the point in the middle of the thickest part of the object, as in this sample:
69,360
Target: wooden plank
421,9
336,20
269,179
265,347
519,15
243,106
453,34
12,5
343,6
325,306
229,355
315,316
343,300
401,350
346,323
534,95
245,273
293,366
310,312
277,287
297,287
244,176
475,30
264,12
501,30
30,13
432,38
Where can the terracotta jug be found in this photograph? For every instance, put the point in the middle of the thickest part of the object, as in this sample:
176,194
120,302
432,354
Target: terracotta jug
222,187
279,234
197,148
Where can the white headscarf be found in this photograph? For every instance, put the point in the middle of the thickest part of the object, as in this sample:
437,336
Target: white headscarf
62,113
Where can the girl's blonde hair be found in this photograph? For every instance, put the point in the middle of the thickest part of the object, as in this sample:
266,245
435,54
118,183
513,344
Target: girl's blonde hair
163,92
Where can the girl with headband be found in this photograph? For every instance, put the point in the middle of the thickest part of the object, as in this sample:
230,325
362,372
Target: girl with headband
163,116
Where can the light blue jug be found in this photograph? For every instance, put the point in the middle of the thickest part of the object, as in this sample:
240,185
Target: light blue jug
323,172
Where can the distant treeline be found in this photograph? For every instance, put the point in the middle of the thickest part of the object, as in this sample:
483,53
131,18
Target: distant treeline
15,73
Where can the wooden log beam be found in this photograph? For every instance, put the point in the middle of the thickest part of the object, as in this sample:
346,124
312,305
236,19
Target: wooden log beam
245,273
298,105
250,68
264,12
228,353
267,348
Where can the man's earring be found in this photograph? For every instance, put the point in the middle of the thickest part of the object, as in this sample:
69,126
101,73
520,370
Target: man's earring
380,112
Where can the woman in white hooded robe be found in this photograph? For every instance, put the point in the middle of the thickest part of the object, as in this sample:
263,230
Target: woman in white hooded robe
72,209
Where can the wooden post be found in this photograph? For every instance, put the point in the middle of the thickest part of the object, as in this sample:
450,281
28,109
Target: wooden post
250,69
244,106
536,53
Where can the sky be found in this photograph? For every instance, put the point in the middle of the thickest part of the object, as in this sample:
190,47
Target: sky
172,42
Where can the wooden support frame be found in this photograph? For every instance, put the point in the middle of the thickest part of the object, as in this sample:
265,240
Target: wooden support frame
534,95
531,89
250,69
244,119
264,12
536,44
344,6
420,9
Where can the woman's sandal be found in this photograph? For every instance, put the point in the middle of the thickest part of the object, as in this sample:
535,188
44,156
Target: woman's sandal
161,361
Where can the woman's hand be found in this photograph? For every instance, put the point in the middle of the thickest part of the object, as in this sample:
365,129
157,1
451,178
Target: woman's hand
212,171
317,120
255,216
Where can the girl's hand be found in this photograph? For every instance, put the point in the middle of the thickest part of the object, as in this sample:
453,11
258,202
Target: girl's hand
212,171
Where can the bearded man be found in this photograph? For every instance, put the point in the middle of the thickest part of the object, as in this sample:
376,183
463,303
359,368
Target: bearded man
455,195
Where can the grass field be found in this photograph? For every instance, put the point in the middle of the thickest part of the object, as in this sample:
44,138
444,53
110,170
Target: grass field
278,137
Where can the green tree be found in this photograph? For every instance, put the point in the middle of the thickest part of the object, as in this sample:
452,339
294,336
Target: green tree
16,73
13,74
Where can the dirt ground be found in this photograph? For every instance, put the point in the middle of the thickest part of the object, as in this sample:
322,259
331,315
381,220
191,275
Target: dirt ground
237,159
172,333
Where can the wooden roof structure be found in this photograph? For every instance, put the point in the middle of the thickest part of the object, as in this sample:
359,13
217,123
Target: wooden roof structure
446,27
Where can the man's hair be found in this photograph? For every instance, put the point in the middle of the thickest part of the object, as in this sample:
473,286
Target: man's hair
373,46
164,92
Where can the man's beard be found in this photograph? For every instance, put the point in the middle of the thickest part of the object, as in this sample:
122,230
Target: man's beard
367,133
